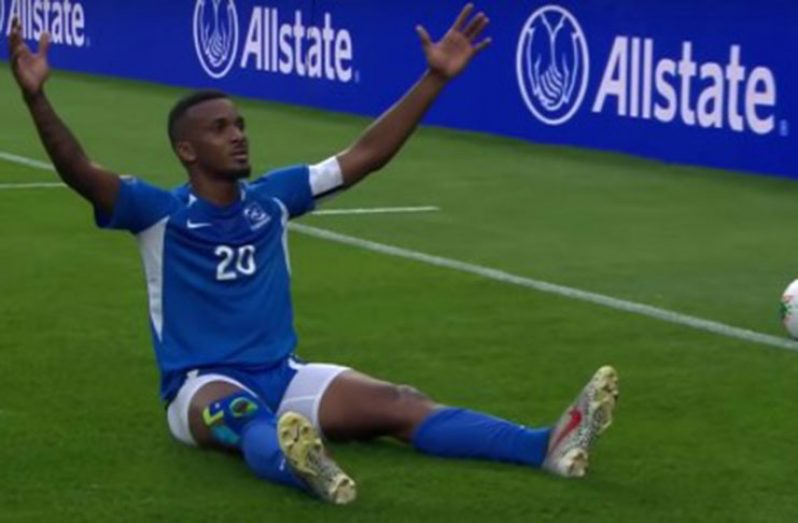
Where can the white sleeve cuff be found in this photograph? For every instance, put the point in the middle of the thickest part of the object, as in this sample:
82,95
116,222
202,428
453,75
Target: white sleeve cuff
326,177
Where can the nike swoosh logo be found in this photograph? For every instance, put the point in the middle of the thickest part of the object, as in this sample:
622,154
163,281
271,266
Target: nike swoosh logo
576,419
197,225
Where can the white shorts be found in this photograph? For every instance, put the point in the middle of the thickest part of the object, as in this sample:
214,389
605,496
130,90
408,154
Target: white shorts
303,395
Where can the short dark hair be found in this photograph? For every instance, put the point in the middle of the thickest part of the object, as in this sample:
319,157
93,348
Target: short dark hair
186,103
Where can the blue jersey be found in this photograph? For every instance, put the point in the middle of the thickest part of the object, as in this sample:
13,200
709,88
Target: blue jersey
217,277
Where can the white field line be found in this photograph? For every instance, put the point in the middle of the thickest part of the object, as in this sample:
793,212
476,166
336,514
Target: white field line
39,185
26,161
376,210
552,288
521,281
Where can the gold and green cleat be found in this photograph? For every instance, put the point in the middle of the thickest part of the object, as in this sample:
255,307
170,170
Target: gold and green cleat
305,454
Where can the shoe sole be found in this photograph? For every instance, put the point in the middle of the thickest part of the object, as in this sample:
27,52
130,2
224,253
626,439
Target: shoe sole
574,463
298,441
605,383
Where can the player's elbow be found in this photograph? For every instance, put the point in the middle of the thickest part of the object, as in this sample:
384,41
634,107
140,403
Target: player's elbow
377,162
376,158
359,162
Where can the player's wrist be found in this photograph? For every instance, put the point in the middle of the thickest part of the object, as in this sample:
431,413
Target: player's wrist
33,96
437,78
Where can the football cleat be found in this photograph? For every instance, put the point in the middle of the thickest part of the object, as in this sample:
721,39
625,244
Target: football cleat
580,425
306,456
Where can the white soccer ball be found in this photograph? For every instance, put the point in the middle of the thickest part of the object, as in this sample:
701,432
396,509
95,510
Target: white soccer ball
789,309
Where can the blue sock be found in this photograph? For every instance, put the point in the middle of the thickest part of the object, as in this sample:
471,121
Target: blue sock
262,453
461,433
243,421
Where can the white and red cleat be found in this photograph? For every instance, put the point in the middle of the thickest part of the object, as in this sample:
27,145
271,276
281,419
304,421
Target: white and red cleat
580,425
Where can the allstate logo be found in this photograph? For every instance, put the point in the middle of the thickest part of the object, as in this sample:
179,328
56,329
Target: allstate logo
552,64
216,35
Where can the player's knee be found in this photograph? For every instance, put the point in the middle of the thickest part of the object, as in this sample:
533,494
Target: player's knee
412,403
408,394
410,408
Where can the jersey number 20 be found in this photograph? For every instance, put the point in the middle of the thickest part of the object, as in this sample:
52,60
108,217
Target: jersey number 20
235,262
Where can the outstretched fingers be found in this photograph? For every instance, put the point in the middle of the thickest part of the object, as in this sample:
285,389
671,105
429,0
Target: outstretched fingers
44,44
476,26
482,45
460,23
426,40
15,44
16,27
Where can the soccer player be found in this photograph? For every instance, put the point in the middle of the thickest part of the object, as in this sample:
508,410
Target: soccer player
217,272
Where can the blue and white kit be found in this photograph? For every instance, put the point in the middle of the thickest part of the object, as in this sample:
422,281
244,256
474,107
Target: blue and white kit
218,279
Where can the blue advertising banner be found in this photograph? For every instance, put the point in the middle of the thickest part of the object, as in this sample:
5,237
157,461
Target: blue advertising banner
701,82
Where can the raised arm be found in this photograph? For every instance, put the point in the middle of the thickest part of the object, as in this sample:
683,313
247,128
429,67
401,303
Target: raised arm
445,60
91,181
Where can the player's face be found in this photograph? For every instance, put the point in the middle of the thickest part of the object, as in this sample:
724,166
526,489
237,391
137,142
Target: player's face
219,140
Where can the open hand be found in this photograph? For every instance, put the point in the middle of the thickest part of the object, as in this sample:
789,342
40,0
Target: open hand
448,57
30,70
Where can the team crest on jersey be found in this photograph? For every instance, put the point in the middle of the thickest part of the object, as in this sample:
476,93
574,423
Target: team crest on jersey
256,216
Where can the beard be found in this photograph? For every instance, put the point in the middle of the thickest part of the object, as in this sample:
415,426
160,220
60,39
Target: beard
238,173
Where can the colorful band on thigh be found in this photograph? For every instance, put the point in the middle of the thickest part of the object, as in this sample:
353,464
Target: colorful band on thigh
227,417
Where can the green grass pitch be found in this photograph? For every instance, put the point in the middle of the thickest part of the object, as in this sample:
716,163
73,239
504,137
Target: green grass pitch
706,426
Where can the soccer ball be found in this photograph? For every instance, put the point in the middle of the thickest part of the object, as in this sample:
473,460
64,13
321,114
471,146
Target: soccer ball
789,309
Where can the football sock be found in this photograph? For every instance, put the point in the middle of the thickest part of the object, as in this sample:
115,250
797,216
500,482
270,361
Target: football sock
263,455
243,421
462,433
